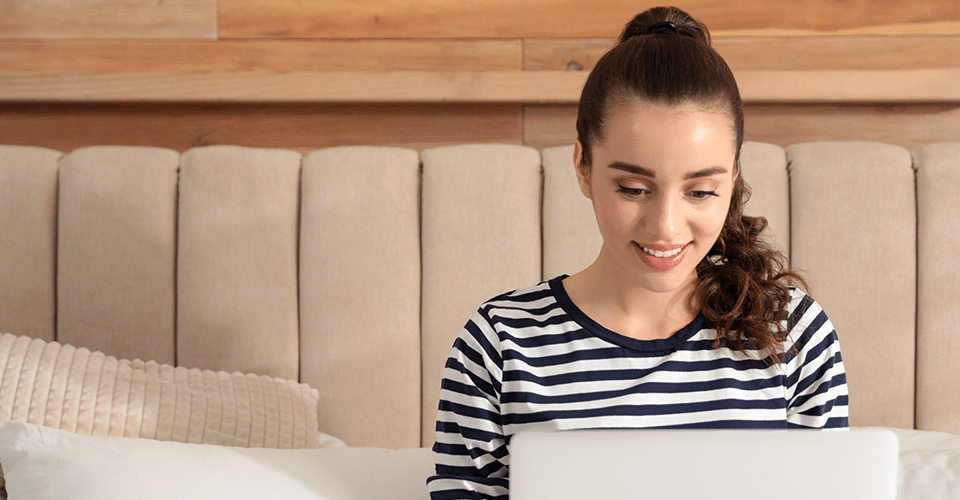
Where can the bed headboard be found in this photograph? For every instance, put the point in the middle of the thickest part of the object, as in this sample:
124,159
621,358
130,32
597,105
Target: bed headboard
353,268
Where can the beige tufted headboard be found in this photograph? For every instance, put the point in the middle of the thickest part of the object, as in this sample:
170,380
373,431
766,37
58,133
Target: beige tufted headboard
353,268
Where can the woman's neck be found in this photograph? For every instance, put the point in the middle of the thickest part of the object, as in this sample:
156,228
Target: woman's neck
623,305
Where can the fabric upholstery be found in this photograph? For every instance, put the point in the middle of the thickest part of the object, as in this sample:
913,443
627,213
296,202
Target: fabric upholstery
237,262
481,238
764,168
328,269
28,218
571,240
853,232
360,292
938,286
117,245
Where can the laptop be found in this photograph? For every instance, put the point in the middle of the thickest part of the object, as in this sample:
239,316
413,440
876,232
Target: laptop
693,464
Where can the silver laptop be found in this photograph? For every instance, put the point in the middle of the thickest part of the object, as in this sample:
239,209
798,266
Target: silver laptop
717,465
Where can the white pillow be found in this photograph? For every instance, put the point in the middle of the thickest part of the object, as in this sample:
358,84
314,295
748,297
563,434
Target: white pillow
42,463
929,467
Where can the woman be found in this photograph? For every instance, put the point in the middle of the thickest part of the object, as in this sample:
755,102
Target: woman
685,320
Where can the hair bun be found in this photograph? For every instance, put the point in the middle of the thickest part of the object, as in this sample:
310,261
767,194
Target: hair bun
665,20
663,28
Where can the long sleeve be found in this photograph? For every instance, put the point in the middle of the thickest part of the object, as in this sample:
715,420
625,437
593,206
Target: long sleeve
816,381
470,452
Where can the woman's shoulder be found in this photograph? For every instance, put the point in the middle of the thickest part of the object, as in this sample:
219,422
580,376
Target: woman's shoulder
807,323
801,303
531,297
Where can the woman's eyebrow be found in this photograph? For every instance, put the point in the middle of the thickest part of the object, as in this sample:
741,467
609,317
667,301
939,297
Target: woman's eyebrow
646,172
633,169
707,172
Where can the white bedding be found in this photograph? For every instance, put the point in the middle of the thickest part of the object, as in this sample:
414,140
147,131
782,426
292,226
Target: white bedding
42,463
47,464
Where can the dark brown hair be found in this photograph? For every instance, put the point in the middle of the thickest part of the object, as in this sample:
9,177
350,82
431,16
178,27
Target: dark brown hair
664,57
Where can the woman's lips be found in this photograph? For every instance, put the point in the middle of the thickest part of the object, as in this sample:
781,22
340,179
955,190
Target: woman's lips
662,258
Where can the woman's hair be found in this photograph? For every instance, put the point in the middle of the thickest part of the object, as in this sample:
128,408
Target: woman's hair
664,57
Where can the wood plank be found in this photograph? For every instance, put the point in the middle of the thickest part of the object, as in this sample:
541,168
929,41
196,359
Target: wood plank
545,126
332,86
772,53
109,19
933,85
258,55
905,125
410,19
65,127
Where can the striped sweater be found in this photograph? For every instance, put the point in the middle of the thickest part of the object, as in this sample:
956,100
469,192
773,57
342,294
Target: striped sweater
531,359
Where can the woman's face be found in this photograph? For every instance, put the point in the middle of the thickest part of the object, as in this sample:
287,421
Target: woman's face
660,183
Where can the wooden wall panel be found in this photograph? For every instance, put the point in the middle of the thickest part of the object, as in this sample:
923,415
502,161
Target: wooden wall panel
65,127
569,18
772,53
109,19
259,55
904,125
784,124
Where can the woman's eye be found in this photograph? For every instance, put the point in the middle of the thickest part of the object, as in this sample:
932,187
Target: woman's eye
702,194
630,191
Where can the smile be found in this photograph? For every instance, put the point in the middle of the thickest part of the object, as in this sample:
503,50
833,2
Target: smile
661,254
662,259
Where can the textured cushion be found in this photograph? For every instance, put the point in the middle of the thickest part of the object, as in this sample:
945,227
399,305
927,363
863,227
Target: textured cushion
87,392
50,464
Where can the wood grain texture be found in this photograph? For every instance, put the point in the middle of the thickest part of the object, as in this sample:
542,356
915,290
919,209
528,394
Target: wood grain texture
258,55
65,127
930,85
108,19
567,18
904,125
773,53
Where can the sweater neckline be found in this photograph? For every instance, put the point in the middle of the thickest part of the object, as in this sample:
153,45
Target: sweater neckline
668,344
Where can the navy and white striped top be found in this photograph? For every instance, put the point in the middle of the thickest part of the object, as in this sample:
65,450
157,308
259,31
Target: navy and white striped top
531,359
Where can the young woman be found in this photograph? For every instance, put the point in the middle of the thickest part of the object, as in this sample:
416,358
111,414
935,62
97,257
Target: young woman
685,320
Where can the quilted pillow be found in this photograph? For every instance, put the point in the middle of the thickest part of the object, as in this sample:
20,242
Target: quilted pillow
86,392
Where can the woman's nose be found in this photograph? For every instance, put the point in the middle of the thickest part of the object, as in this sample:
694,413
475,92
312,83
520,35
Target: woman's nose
662,221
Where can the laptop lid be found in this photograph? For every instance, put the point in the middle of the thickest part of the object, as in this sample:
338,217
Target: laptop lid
693,464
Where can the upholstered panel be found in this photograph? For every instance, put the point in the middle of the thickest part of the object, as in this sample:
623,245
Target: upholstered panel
28,224
237,260
481,237
115,266
764,167
360,292
571,240
938,286
854,227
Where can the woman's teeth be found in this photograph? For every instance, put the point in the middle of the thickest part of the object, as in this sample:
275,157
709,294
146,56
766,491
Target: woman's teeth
661,254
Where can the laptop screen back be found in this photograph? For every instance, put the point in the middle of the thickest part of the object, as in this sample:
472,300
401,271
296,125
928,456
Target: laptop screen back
742,465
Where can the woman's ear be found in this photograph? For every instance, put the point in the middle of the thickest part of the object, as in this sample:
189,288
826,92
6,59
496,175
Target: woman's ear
583,171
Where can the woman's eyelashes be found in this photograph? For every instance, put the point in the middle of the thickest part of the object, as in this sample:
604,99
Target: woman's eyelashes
631,191
699,194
